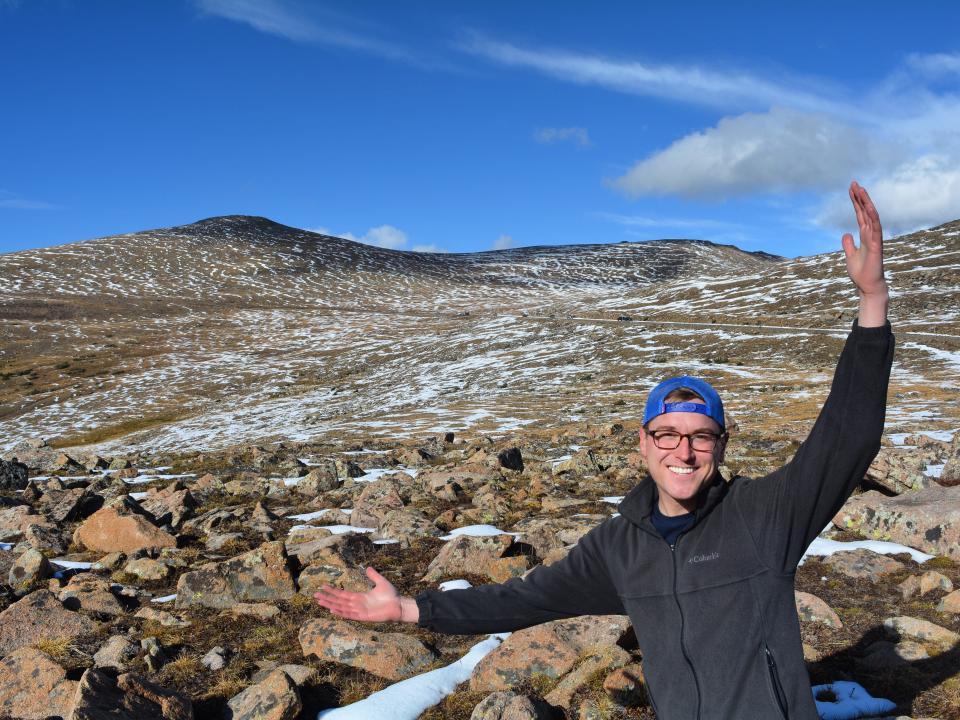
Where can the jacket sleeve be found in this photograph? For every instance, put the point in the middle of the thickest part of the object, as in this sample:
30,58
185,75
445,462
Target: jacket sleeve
577,585
789,508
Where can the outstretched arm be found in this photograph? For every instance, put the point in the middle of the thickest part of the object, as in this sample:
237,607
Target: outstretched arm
865,263
382,604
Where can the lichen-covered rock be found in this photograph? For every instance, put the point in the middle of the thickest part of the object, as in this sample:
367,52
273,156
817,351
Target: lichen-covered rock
406,525
467,554
39,615
950,603
29,571
148,569
91,593
928,519
319,480
551,649
261,575
34,687
601,660
15,519
274,698
120,527
130,697
115,654
393,656
863,564
626,685
375,501
171,506
810,608
898,470
13,475
921,631
506,705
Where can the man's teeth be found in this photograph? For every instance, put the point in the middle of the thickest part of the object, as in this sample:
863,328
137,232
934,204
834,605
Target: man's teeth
681,470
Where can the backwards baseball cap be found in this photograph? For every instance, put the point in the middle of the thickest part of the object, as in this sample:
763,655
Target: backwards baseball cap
711,406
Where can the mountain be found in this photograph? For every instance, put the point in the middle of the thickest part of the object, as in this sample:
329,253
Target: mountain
238,328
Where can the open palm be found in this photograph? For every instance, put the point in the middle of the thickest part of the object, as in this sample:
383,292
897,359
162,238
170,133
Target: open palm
381,604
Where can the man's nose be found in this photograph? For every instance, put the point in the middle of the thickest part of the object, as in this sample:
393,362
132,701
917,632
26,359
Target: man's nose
685,448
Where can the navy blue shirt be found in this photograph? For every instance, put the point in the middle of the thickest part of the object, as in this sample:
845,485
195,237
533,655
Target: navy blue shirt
670,527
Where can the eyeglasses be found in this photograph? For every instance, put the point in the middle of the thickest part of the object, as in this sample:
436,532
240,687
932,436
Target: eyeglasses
670,440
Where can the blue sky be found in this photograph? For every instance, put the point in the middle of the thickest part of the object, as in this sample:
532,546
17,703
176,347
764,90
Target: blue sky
473,125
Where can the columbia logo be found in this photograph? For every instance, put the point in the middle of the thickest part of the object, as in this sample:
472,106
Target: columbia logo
703,558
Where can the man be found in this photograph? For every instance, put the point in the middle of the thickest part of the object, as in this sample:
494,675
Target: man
704,568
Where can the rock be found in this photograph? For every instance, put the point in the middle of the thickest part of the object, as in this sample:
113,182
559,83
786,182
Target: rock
552,504
922,631
445,488
33,687
13,475
329,566
511,459
171,506
149,569
319,480
215,659
583,462
932,580
130,697
406,525
90,593
261,575
950,475
350,548
810,608
119,528
14,520
349,469
155,658
221,541
61,506
553,533
550,649
300,674
264,611
212,521
884,655
626,685
29,571
375,501
162,617
602,660
864,564
37,616
46,538
110,561
928,519
393,656
465,554
115,654
950,603
898,470
511,706
63,464
119,463
274,698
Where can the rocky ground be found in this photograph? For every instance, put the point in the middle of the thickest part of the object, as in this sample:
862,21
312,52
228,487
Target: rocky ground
179,585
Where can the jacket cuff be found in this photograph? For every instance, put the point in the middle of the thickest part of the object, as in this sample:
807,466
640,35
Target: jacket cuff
871,332
425,607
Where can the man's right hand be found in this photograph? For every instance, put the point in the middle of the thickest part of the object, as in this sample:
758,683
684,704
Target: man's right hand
382,604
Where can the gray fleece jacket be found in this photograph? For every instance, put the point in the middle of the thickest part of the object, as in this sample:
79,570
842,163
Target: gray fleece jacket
715,615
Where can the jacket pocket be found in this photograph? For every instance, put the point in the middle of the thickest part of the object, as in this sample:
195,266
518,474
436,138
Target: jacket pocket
776,689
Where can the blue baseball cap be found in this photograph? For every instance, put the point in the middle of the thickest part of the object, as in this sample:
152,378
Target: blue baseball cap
712,405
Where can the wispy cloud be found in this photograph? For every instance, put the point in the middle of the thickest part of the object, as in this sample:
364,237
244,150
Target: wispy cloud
301,23
504,242
384,236
12,201
935,63
689,84
550,135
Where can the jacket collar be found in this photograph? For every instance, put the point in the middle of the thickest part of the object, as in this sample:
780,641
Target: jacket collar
637,506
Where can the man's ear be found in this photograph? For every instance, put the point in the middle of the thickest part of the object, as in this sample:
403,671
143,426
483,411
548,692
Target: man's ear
643,443
722,448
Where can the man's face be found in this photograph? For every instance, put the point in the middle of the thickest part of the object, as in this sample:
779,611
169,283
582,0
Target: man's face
681,473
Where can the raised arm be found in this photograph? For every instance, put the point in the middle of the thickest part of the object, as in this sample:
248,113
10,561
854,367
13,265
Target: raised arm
865,263
381,604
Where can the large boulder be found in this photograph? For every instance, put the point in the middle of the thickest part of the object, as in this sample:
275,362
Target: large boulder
39,616
465,554
863,564
928,519
91,593
393,656
375,501
261,575
129,697
34,687
898,470
14,521
506,705
29,571
551,649
406,525
119,527
170,506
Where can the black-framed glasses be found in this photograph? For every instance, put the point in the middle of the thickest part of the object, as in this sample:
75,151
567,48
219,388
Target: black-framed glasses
670,440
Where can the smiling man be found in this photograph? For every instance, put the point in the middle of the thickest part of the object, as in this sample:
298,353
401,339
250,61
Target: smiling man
704,567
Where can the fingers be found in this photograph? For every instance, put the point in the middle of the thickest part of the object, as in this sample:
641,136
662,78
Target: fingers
849,247
376,577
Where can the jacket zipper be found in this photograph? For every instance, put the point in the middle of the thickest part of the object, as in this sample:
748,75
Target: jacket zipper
775,682
676,599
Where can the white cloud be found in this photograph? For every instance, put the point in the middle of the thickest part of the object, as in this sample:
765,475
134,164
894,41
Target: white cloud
917,194
384,236
783,150
286,19
428,249
935,63
549,135
691,83
504,242
12,201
